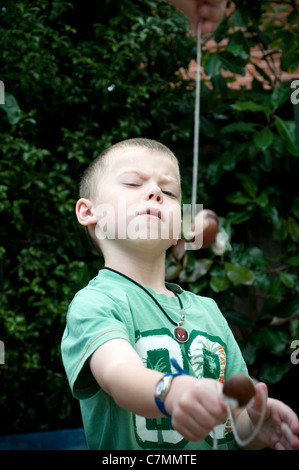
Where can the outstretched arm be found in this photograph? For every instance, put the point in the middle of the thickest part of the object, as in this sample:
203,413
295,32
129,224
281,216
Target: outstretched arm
195,406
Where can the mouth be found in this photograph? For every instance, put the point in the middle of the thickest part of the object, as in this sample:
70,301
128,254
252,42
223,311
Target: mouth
151,212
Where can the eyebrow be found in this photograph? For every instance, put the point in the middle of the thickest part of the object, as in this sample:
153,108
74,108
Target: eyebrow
164,179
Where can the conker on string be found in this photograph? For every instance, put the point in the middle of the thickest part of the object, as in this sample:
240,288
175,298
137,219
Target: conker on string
203,233
208,226
240,388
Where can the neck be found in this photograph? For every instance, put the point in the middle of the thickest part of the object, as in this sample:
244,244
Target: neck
146,270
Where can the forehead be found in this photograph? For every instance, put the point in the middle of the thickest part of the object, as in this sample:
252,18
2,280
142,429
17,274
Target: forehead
143,160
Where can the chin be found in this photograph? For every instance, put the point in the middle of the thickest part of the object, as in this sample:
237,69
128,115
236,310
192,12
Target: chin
151,244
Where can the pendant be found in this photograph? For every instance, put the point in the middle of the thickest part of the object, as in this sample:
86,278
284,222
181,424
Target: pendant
180,334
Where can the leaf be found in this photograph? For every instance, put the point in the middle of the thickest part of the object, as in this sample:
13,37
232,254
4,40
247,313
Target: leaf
291,309
248,184
262,200
172,272
202,266
207,127
293,229
238,46
250,354
295,207
274,339
237,50
238,274
289,280
280,230
240,216
286,129
257,257
249,106
219,284
264,138
213,65
11,108
272,373
238,198
233,66
241,17
239,126
280,95
266,160
293,261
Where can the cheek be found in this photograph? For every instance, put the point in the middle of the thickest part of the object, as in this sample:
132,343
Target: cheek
175,220
114,213
106,221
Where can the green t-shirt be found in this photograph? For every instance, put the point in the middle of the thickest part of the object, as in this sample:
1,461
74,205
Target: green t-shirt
111,306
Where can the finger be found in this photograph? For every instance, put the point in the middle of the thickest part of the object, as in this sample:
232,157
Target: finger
193,430
290,439
210,16
196,426
199,412
260,396
203,402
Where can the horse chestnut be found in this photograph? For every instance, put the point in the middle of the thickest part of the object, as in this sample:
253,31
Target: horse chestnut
206,225
207,222
240,388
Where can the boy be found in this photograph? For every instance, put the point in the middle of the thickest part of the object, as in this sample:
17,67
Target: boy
126,325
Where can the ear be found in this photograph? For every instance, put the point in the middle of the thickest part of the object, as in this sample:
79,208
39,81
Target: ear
85,212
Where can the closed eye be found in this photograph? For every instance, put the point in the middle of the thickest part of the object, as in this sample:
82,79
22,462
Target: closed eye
169,193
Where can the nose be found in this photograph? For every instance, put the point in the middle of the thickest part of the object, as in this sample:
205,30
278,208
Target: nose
155,194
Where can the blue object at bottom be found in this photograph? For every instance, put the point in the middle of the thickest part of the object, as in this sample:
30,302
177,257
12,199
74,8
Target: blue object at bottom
71,439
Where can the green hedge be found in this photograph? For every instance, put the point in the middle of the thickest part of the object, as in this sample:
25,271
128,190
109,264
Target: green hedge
80,76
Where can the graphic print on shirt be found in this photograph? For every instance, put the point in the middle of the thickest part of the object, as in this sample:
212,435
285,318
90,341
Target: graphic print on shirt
202,356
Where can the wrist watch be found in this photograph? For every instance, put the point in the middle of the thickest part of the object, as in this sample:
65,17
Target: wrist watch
162,387
160,391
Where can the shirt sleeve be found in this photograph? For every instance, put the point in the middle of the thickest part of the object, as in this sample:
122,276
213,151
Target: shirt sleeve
92,319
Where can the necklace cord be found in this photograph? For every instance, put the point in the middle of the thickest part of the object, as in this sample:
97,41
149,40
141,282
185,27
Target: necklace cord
152,297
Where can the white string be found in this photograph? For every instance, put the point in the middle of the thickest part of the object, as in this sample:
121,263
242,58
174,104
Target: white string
243,442
196,122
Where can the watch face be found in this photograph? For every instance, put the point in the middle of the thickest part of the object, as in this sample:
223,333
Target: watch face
163,386
160,387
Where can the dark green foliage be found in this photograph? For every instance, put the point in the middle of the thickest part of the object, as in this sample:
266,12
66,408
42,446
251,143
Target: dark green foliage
80,76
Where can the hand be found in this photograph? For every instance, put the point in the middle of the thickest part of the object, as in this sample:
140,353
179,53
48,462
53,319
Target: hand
209,11
195,406
281,425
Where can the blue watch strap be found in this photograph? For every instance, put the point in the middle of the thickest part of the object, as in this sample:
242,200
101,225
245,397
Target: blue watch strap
180,371
161,407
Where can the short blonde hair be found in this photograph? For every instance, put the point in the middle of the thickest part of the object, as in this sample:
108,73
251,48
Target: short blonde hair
90,178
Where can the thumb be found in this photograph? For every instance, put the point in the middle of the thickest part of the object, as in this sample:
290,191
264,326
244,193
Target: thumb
258,402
